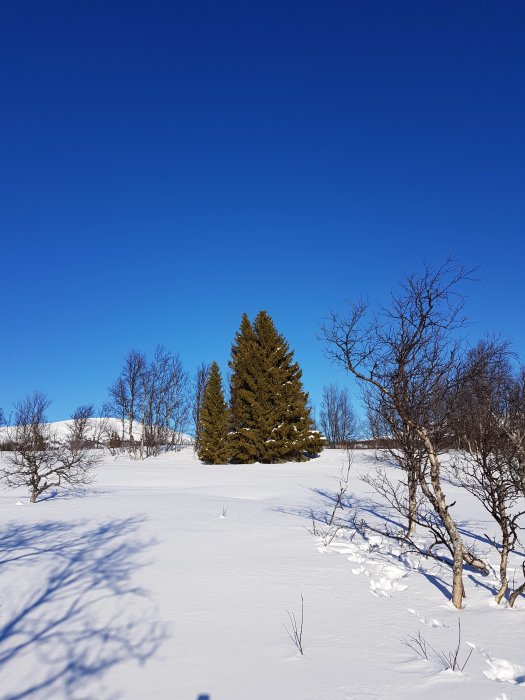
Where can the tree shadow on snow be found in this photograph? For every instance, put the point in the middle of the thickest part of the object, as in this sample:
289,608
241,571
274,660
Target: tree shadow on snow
70,610
349,503
442,586
466,532
482,584
352,506
70,494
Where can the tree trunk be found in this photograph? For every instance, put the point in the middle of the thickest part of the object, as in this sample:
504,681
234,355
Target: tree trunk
514,597
131,438
412,500
458,591
519,591
505,549
450,526
503,573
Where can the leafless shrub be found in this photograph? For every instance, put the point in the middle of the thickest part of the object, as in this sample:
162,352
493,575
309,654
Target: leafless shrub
343,480
448,660
295,630
40,458
328,526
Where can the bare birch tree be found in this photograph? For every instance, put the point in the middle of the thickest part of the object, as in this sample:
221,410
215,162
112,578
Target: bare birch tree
126,396
514,426
165,402
118,404
81,427
42,459
405,448
485,467
199,385
408,355
337,417
151,401
132,376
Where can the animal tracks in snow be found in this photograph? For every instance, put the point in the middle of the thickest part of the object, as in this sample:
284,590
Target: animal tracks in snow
387,567
428,621
375,560
388,581
501,669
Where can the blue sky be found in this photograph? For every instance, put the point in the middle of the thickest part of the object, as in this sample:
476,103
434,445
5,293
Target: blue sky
167,166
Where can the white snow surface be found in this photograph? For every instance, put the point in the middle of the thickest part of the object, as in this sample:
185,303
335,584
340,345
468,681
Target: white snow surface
62,429
169,579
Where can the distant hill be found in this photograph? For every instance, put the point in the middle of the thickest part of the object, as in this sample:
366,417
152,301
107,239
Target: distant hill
100,430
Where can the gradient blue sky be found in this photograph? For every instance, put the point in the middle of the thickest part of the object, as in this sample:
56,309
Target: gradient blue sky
167,166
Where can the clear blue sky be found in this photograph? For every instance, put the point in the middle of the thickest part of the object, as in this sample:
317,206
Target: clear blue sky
167,166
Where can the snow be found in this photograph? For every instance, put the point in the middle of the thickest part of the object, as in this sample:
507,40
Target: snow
173,580
503,670
62,429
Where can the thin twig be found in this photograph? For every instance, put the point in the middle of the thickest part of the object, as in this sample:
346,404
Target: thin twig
296,630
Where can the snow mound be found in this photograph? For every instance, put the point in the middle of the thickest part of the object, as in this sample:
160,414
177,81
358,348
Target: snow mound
505,671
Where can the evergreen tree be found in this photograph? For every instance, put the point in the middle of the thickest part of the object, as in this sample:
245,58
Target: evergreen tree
286,423
114,440
245,436
271,420
214,421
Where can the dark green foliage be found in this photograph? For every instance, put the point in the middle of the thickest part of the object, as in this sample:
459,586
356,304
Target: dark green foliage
115,441
271,420
245,431
214,445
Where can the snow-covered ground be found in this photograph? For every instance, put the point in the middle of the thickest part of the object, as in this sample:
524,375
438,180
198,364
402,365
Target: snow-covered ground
172,580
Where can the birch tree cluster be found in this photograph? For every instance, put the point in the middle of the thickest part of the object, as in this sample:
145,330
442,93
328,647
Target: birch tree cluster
151,399
338,420
451,414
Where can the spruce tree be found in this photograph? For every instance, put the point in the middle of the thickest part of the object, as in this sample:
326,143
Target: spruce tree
286,423
245,430
271,420
214,445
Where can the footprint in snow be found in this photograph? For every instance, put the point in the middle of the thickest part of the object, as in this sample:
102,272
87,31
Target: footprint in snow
388,581
429,622
357,558
503,670
409,561
500,669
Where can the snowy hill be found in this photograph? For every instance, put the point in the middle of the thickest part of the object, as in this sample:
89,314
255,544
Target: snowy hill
99,426
173,580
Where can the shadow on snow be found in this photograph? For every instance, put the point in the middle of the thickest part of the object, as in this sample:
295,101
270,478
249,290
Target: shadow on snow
351,505
70,611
